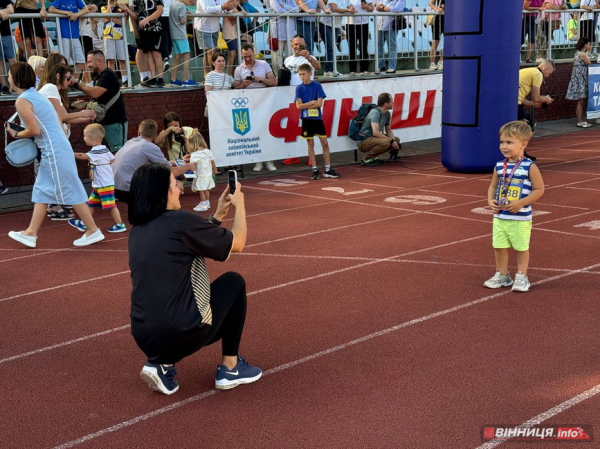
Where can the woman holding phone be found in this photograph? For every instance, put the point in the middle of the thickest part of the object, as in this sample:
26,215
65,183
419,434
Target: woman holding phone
175,309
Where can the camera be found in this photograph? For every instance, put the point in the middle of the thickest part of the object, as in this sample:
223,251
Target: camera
179,138
249,78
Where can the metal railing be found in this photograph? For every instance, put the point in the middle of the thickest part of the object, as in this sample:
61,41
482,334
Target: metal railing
413,43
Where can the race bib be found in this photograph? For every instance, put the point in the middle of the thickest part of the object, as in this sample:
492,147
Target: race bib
513,192
313,113
92,169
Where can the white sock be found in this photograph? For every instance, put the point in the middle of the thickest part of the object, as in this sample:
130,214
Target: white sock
145,75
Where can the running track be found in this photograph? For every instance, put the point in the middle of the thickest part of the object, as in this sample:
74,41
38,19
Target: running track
366,312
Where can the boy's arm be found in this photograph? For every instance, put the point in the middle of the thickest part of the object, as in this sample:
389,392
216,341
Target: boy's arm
537,190
491,196
82,156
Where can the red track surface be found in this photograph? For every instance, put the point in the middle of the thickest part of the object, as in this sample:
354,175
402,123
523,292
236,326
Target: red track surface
367,315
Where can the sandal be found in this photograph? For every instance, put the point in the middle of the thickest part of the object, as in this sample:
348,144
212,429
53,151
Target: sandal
62,215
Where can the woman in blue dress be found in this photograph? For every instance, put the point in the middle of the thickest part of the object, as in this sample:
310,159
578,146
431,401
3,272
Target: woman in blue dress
57,181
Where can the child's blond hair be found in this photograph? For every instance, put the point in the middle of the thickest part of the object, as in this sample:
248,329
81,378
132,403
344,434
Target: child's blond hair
95,131
195,142
519,129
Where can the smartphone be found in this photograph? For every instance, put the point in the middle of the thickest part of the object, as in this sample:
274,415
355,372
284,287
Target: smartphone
232,181
302,47
15,127
249,78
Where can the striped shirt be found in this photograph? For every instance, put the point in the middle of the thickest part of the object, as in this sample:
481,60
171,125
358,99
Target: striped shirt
218,81
519,187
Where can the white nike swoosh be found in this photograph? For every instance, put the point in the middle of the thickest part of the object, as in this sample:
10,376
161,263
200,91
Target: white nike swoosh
163,370
232,373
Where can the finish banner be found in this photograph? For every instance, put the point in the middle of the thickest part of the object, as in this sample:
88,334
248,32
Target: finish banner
593,106
257,125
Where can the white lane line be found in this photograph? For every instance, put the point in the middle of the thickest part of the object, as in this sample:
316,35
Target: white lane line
70,284
308,358
412,261
64,343
104,242
549,414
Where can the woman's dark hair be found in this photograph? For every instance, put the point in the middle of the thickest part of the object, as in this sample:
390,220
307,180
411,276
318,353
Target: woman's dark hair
170,117
23,75
148,193
582,42
49,77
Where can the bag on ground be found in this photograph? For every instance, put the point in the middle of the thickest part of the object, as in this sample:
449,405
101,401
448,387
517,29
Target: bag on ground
357,122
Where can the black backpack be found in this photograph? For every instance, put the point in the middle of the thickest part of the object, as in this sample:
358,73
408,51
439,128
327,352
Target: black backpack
284,77
357,122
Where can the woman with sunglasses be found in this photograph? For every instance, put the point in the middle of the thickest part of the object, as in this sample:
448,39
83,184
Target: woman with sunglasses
54,86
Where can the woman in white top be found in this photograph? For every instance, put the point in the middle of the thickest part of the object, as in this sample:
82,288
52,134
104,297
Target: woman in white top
54,86
358,36
217,79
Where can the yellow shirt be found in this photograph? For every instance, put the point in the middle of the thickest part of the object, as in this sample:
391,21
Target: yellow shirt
528,78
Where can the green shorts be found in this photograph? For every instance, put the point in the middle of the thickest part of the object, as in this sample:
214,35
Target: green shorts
511,234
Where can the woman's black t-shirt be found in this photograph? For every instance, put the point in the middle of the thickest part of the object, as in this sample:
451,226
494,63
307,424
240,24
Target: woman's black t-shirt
161,253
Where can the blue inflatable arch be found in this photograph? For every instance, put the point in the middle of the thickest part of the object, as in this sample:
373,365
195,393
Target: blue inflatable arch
480,86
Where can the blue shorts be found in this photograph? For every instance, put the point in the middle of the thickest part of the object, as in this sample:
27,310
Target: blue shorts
210,40
180,46
8,50
232,45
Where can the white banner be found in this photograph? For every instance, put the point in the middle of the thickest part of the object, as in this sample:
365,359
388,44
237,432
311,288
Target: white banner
255,125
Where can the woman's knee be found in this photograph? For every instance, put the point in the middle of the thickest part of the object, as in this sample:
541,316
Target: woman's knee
234,279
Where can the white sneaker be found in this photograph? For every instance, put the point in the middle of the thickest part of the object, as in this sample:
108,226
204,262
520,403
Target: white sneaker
258,166
271,166
499,280
201,208
440,65
89,240
432,66
27,240
521,283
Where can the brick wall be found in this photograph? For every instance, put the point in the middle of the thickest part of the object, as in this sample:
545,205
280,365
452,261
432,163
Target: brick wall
189,104
140,105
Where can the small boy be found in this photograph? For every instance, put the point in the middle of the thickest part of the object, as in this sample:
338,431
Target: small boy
181,46
309,99
516,184
101,174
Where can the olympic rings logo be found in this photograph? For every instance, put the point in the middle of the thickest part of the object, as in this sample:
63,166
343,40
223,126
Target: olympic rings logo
239,102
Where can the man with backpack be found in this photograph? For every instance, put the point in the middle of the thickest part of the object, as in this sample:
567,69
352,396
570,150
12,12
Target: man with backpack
375,135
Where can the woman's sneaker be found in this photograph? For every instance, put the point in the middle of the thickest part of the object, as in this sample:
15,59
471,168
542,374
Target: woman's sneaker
242,373
521,283
499,280
160,378
117,228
